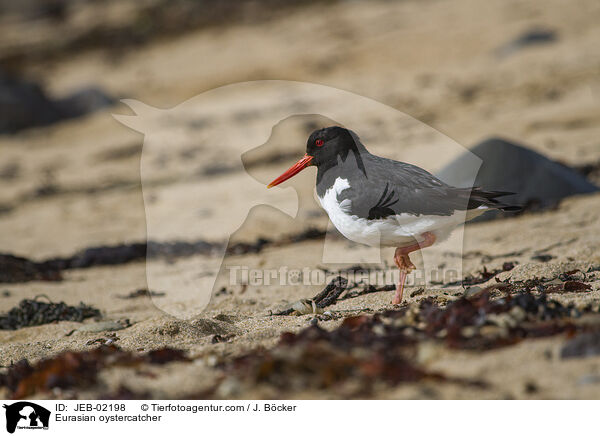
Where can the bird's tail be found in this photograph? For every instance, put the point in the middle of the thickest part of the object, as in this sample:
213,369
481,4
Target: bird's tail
490,199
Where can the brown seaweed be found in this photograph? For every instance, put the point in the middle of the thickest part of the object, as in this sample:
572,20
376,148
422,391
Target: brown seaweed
72,369
15,269
34,312
352,359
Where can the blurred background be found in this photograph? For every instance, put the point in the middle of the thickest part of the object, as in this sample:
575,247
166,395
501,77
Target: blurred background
524,70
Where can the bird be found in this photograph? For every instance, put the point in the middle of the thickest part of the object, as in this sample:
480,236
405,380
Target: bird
381,202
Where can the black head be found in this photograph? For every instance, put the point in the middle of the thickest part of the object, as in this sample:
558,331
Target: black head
326,145
323,150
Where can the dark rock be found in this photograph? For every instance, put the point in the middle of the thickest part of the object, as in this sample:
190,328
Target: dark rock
538,182
24,104
84,101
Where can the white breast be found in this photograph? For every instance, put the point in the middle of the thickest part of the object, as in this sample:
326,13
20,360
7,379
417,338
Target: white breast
392,231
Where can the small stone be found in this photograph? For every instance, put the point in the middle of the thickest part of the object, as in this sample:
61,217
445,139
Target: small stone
103,326
473,290
305,307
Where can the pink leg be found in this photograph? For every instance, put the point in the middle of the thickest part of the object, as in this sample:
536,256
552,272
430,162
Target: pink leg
405,265
399,288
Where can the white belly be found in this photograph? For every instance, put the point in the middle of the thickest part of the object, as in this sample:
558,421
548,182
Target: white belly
393,231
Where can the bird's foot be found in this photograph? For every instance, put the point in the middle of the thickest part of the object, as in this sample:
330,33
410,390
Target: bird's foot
400,286
403,262
405,265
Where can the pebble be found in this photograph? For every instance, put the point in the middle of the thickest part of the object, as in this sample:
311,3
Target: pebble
304,307
103,326
473,290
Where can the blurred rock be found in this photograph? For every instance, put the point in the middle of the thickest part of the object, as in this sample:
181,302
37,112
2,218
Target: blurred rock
537,181
528,38
84,101
24,104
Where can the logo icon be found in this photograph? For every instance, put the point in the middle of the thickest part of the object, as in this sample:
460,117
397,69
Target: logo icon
26,415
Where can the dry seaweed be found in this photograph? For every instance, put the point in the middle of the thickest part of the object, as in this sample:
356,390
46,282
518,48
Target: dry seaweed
565,282
77,369
145,23
480,277
519,314
417,292
141,293
15,269
366,350
330,295
33,312
511,319
484,275
332,291
351,359
351,269
368,289
568,286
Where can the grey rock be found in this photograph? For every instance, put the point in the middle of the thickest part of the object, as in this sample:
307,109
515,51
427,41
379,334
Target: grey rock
24,104
538,182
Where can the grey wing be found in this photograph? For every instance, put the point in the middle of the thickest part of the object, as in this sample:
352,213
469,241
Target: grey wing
409,189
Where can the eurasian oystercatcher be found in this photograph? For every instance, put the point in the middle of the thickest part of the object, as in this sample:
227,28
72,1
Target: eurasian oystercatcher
381,202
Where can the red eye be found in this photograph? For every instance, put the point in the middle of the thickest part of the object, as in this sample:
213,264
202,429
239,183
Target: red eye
319,142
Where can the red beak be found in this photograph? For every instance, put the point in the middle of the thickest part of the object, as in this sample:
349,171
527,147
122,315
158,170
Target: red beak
292,171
